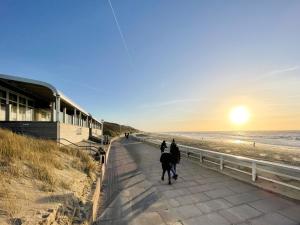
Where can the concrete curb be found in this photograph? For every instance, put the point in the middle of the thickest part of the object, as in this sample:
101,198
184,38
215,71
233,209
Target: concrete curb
99,182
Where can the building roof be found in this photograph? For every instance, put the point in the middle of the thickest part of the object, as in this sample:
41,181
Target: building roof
45,90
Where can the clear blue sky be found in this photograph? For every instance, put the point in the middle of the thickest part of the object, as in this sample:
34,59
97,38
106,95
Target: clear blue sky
187,64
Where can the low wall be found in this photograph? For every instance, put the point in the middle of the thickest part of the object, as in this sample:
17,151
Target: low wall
73,133
46,130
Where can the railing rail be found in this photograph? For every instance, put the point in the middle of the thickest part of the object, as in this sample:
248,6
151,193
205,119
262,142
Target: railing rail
84,147
256,168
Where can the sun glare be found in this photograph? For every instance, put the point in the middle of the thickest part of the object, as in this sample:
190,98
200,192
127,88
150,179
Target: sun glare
239,115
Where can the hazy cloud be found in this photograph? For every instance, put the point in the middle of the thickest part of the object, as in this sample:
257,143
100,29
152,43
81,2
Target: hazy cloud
168,103
284,70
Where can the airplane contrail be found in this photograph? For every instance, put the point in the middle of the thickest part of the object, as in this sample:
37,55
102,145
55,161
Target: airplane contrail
121,33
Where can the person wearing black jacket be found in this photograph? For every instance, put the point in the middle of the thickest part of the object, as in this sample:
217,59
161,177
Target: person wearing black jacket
175,153
163,146
166,163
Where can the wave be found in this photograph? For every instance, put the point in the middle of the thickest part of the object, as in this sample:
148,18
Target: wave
283,138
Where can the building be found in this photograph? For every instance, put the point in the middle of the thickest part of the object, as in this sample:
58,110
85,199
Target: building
38,109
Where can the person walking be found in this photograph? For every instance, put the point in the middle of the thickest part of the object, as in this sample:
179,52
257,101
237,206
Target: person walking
166,164
175,153
163,146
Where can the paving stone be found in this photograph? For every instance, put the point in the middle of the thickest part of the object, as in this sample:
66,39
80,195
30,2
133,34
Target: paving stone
198,189
219,193
200,197
273,219
207,219
240,213
158,205
164,187
169,216
176,193
271,204
187,211
242,198
186,200
213,205
151,218
173,203
292,213
241,187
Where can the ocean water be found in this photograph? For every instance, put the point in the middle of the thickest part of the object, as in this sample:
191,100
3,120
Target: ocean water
280,138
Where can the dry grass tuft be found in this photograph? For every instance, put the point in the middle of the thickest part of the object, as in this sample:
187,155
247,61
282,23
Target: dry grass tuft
40,157
23,157
9,202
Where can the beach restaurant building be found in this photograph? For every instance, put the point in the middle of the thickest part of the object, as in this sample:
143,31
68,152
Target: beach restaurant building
38,109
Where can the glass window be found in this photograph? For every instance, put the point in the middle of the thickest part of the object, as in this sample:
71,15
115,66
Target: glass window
30,103
13,112
13,97
2,94
22,113
29,114
2,110
22,101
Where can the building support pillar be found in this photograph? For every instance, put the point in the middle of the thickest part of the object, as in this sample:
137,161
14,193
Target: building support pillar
79,119
8,108
65,115
18,109
74,117
57,108
53,114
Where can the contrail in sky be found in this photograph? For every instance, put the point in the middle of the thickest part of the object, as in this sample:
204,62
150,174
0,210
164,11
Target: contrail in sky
121,33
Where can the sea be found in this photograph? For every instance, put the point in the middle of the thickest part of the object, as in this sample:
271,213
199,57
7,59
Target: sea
279,138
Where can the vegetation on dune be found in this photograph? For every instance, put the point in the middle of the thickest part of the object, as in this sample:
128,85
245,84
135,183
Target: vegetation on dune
114,129
23,156
38,165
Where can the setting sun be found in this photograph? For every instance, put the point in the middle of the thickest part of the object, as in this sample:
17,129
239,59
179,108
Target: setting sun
239,115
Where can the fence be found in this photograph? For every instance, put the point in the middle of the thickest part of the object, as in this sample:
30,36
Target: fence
282,174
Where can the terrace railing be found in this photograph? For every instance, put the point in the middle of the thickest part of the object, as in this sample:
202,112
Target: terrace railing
92,148
279,173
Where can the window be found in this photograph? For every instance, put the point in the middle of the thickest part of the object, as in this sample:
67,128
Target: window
2,109
2,94
22,109
13,112
29,114
13,97
22,101
30,103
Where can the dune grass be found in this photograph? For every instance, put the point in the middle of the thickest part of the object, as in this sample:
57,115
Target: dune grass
23,156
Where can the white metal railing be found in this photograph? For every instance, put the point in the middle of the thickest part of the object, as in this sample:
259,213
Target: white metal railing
255,168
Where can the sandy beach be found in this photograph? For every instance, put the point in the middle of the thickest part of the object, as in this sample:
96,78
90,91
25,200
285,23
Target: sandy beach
274,153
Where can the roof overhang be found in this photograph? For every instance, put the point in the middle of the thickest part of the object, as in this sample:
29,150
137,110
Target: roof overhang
39,89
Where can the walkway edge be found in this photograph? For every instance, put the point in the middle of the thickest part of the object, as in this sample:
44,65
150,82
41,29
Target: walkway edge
99,182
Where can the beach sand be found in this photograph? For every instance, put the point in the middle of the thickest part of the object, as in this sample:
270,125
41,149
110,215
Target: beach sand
267,152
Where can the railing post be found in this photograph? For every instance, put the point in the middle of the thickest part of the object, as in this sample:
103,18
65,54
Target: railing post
201,157
221,163
253,171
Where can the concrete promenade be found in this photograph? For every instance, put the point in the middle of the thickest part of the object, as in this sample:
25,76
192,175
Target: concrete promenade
134,194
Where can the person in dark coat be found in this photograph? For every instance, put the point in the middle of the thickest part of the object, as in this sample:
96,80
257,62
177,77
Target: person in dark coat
166,164
163,146
174,151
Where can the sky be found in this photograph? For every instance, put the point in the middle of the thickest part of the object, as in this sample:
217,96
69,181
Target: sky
162,65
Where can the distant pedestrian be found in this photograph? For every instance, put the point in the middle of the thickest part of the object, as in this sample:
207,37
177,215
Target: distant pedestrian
174,150
163,146
253,144
166,164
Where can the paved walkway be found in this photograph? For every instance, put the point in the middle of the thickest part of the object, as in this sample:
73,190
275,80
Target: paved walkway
200,196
